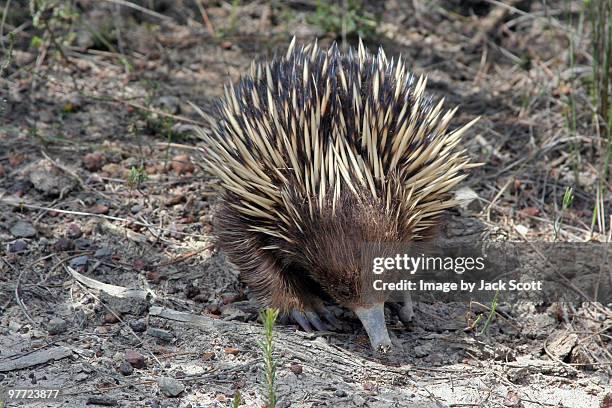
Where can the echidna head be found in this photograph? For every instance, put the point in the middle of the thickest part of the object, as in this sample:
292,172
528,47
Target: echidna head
332,247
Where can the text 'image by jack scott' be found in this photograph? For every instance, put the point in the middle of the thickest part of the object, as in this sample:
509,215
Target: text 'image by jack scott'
346,203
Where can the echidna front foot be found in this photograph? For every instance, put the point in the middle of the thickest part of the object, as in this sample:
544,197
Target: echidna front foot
307,319
373,319
311,317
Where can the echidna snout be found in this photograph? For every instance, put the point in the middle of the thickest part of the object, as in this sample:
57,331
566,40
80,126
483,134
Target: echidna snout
373,319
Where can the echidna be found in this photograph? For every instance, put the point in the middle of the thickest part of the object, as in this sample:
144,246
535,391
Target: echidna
319,152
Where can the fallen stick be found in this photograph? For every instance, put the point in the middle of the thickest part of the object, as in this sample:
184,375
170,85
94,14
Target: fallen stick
112,290
37,357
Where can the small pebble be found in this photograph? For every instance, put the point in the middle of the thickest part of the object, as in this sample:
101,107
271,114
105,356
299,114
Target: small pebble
56,326
359,400
102,400
126,368
340,393
80,377
103,252
18,246
63,244
79,261
111,318
93,161
139,264
182,164
138,326
168,103
23,229
160,334
175,199
99,209
170,387
422,351
296,369
82,243
136,359
191,291
73,231
154,277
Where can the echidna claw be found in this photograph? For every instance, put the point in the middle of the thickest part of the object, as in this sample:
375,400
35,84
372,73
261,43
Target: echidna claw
315,320
308,318
329,317
301,319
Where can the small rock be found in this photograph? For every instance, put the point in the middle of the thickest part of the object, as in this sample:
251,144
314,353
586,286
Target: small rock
283,403
436,359
359,400
138,326
340,393
82,243
160,334
126,368
170,387
296,369
231,350
136,359
93,161
103,252
23,229
168,103
116,170
14,326
516,375
521,229
512,400
231,312
78,262
2,171
226,45
182,164
423,350
47,179
63,244
561,343
18,246
529,212
102,400
56,326
136,209
73,231
99,209
606,401
139,264
209,355
175,199
80,377
15,159
191,291
111,318
154,276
